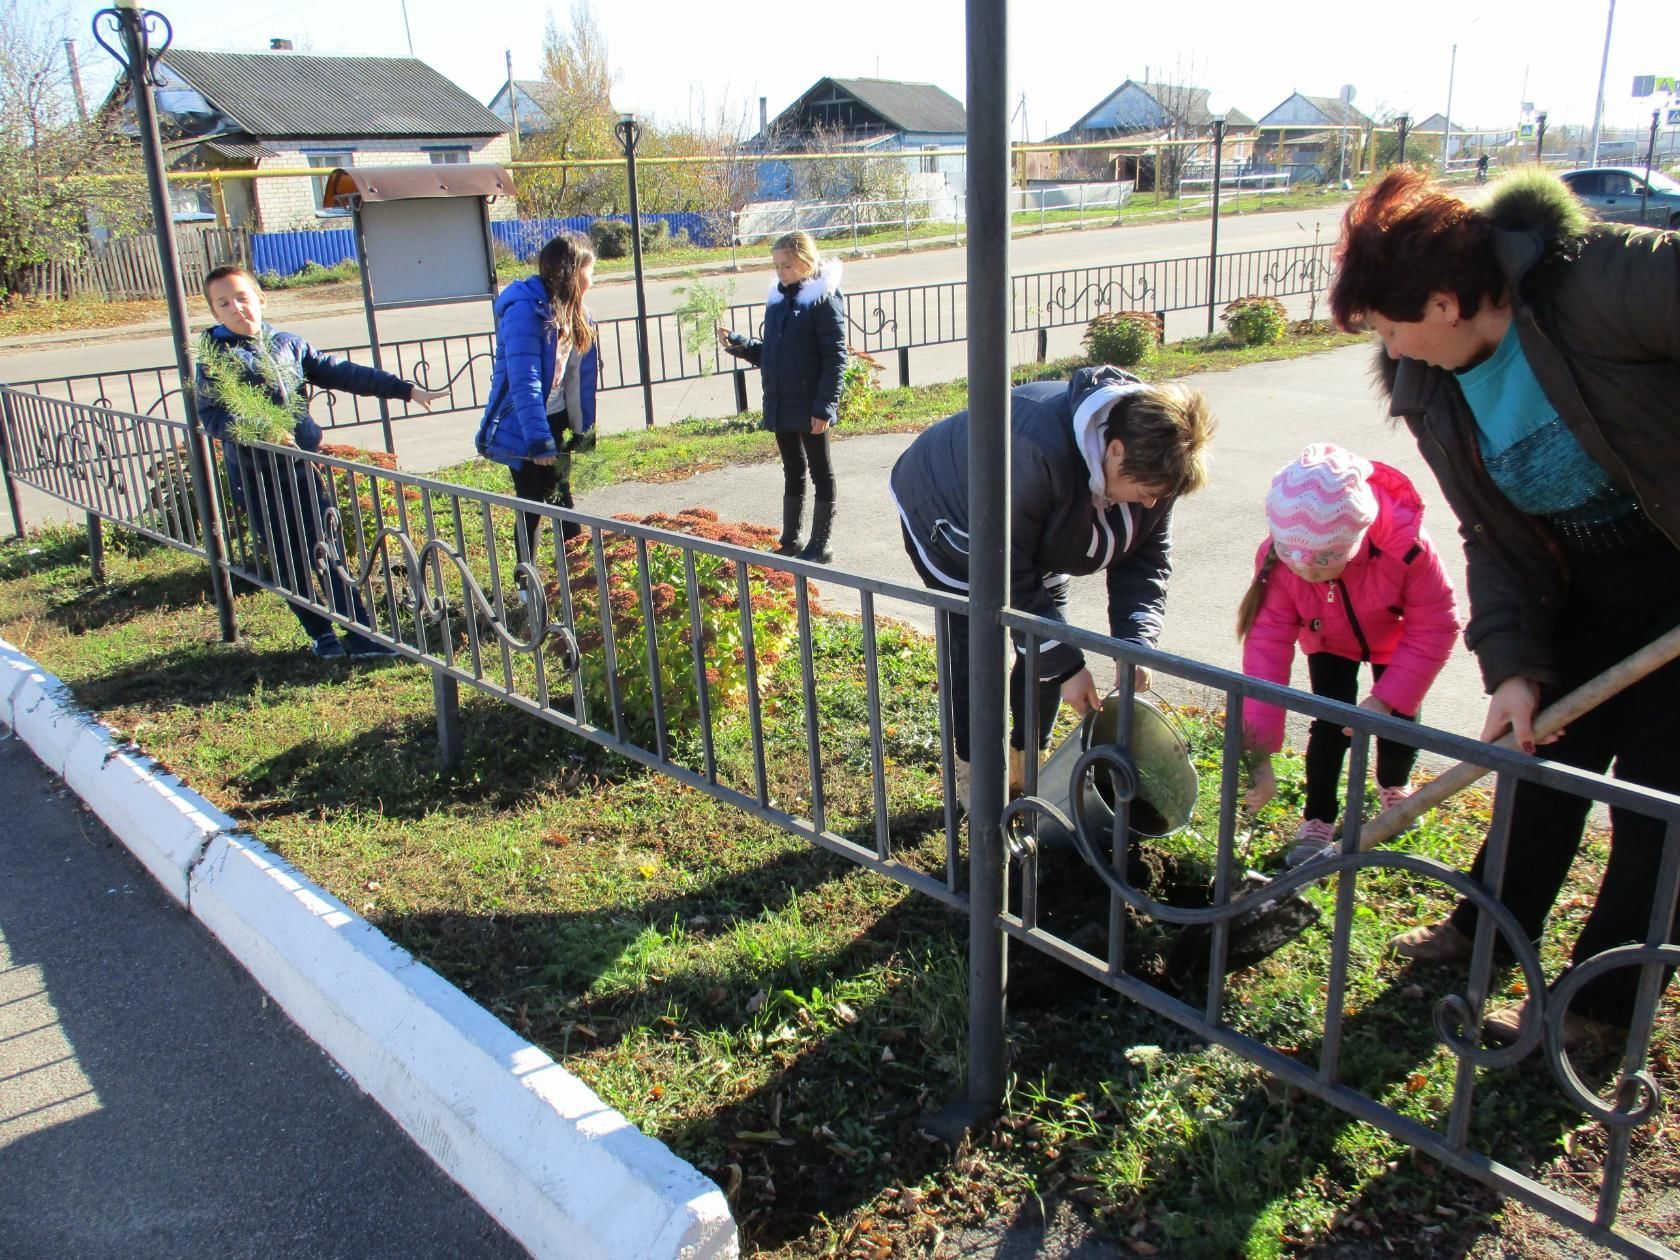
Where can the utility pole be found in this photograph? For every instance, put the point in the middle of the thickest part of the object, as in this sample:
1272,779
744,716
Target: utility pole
1603,70
1446,130
76,79
513,103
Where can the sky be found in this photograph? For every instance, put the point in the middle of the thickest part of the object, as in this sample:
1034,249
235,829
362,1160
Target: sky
682,62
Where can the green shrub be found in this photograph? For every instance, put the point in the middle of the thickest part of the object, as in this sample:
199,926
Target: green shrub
1256,320
656,236
703,307
859,385
610,238
1123,338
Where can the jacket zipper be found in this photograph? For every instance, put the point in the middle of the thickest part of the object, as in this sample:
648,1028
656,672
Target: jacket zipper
1353,621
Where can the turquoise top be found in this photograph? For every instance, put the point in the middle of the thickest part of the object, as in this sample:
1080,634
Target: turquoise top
1530,453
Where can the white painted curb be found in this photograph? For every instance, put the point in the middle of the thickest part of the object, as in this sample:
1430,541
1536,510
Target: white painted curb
560,1170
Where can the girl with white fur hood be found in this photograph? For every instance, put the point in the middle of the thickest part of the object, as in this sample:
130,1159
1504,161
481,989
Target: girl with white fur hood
801,359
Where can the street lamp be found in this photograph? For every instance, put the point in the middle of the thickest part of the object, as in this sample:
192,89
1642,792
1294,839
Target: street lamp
1402,125
1650,152
134,27
629,133
1217,107
1540,136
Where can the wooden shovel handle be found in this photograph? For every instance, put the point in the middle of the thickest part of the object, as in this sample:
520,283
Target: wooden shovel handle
1588,696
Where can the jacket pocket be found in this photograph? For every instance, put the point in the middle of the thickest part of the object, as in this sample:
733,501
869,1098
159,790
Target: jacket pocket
952,536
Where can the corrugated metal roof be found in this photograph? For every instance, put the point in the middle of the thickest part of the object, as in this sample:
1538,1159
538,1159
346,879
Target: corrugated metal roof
920,107
298,95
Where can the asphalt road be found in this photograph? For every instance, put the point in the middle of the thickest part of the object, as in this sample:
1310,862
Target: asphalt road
153,1102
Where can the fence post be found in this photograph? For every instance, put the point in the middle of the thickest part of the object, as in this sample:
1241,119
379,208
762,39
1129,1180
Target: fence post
446,699
7,463
96,547
138,60
740,379
734,240
1041,201
904,367
1082,207
854,228
907,217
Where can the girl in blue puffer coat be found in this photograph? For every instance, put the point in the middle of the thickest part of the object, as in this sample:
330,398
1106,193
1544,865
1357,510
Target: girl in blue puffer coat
802,361
542,389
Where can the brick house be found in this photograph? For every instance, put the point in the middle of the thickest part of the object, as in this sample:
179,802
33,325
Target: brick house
290,111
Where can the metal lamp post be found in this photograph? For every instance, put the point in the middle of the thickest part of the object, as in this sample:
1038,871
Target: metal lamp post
1402,126
1650,152
629,133
134,27
1540,136
1213,233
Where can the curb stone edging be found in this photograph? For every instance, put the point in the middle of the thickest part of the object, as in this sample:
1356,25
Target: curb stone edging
561,1171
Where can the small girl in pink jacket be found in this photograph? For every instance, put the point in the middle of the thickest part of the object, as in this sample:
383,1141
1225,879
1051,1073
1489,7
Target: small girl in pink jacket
1350,575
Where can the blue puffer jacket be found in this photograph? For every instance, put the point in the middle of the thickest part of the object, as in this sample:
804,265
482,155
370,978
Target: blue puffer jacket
299,363
514,427
802,355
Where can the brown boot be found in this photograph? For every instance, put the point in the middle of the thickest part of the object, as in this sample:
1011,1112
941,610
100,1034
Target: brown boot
1580,1032
1017,772
1433,943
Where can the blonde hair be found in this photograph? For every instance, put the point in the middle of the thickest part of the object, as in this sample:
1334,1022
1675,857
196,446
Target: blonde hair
1249,609
1165,430
802,246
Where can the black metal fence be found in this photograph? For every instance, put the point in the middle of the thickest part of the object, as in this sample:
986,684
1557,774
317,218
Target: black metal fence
880,320
605,636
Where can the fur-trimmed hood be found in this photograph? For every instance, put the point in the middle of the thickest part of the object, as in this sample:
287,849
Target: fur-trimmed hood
813,288
1538,218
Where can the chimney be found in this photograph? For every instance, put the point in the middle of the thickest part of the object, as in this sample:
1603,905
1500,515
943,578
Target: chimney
763,115
279,45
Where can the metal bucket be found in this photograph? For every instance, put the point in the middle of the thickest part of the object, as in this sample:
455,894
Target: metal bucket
1166,775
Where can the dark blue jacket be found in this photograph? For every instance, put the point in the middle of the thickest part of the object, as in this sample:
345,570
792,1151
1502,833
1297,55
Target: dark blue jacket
514,427
802,354
299,363
1056,525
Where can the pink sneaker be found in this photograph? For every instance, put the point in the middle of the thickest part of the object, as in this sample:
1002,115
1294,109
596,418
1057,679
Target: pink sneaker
1392,796
1314,838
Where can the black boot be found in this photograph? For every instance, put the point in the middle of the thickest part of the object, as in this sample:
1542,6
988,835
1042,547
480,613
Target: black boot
822,521
793,507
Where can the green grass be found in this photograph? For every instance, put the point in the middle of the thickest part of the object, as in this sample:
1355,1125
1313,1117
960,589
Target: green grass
783,1019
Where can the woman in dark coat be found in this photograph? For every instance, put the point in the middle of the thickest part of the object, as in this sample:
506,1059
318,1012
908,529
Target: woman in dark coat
1535,356
802,361
1096,464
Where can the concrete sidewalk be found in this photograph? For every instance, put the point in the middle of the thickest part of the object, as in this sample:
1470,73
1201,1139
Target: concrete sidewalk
153,1100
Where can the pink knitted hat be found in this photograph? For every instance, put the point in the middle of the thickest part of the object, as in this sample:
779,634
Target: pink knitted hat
1320,506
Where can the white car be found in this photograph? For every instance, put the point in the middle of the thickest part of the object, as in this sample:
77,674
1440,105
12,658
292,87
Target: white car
1617,192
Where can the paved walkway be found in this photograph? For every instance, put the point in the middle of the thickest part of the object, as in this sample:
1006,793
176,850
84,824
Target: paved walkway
153,1102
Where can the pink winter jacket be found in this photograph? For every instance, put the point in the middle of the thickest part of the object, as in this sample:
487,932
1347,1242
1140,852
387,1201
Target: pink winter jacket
1403,612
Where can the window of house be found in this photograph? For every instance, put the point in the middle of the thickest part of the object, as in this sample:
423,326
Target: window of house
929,162
329,159
448,157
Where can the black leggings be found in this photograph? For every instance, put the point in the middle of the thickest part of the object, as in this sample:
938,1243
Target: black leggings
1337,678
1049,689
1616,606
547,483
802,449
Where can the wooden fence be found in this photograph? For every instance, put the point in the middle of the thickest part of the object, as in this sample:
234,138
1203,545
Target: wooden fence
125,270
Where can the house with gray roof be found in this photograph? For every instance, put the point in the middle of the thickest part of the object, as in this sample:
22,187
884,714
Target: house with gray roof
292,111
534,100
1315,138
877,116
1138,112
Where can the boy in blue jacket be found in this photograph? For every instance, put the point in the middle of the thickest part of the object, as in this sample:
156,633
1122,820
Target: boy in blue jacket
285,511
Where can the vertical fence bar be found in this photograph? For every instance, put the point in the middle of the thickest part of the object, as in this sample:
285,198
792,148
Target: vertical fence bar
8,462
446,699
96,547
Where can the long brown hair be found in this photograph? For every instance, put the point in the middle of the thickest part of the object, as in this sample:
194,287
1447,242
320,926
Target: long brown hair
561,262
1249,609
